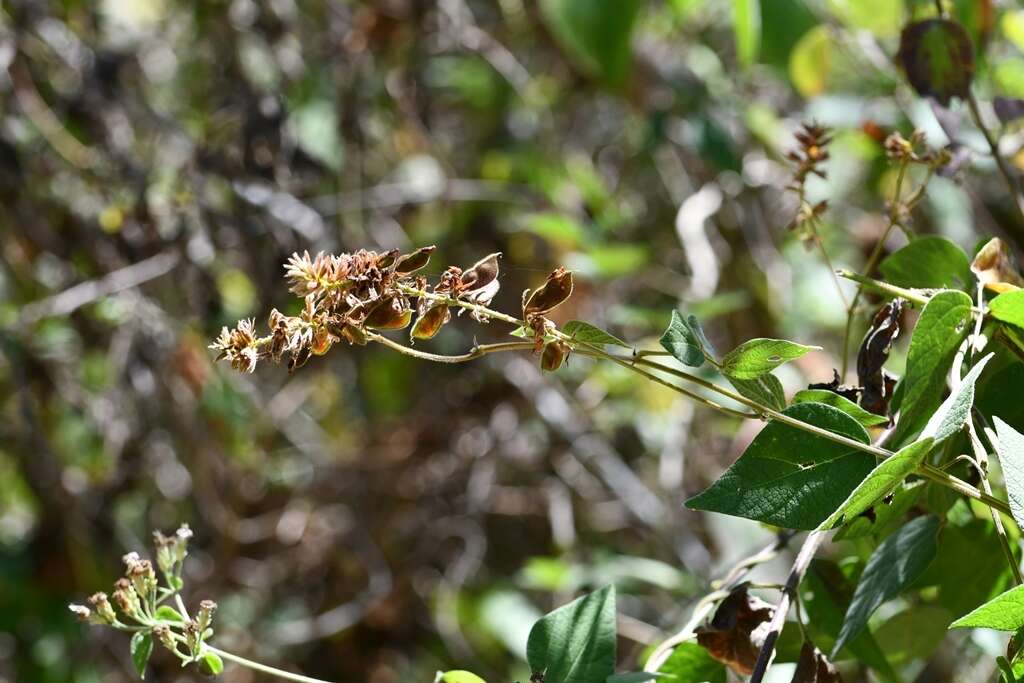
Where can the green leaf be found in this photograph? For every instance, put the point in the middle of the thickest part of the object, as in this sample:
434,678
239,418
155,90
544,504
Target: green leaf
913,633
882,481
766,390
596,35
458,677
1010,449
789,477
1003,613
943,325
167,613
685,340
633,677
938,58
885,518
831,398
810,62
141,649
585,332
690,663
894,565
929,262
576,643
825,592
746,24
757,357
952,415
211,664
1009,307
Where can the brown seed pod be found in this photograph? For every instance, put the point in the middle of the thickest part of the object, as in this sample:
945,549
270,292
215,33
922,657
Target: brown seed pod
554,355
410,263
553,292
322,341
483,273
392,313
430,322
386,259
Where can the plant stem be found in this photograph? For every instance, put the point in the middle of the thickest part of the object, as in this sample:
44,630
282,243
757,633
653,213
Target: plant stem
796,574
872,261
476,308
993,146
474,353
884,287
256,666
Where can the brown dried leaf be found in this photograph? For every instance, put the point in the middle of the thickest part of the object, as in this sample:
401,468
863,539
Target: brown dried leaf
876,384
938,58
996,268
554,291
737,630
814,667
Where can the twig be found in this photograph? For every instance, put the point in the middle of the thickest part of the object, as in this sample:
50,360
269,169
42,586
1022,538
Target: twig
993,145
796,574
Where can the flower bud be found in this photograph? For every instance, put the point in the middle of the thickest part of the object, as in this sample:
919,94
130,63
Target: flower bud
392,313
483,273
162,632
83,613
193,635
126,598
556,290
205,615
430,321
104,610
410,263
554,355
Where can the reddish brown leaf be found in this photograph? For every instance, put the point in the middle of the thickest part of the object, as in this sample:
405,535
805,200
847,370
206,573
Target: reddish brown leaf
938,58
737,630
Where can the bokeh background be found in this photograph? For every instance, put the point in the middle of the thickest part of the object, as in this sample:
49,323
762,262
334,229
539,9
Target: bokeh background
374,518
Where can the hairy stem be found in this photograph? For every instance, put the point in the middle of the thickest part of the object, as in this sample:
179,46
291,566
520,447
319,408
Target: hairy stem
256,666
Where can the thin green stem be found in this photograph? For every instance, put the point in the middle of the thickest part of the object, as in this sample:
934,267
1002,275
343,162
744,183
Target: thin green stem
256,666
866,282
876,254
474,353
993,145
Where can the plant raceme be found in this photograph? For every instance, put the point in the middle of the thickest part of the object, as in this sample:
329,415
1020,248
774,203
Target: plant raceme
900,465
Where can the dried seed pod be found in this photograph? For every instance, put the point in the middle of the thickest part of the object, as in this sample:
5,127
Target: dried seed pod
554,355
298,359
392,313
553,292
483,273
322,341
386,259
410,263
430,322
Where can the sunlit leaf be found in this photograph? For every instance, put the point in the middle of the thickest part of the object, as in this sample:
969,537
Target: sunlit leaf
576,643
928,262
585,332
746,23
831,398
690,663
1003,613
685,340
810,62
758,357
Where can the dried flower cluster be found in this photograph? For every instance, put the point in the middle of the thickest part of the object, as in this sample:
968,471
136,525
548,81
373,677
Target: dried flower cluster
347,297
809,156
138,604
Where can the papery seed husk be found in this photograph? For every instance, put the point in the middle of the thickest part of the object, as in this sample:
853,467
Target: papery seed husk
390,314
554,355
321,341
430,322
410,263
482,273
387,258
354,335
557,289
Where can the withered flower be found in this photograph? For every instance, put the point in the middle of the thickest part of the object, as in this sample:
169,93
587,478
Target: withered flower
996,267
238,346
812,152
553,292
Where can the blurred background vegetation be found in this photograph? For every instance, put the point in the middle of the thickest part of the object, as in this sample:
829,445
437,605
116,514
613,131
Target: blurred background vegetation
373,518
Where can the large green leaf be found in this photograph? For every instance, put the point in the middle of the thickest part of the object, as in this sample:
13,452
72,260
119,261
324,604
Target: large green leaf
894,565
458,676
831,398
943,325
576,643
1004,613
690,663
882,481
789,477
758,357
141,648
596,34
929,262
1009,307
1010,448
685,340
